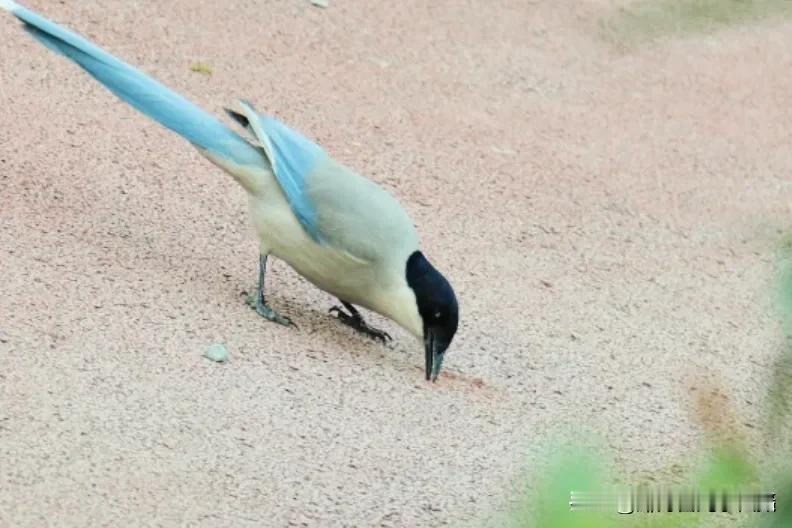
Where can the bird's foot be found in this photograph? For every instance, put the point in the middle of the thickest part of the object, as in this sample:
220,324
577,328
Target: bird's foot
255,302
356,321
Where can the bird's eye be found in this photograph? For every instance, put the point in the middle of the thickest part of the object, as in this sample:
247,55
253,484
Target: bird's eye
438,315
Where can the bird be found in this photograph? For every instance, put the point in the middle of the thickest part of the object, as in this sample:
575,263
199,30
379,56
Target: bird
338,229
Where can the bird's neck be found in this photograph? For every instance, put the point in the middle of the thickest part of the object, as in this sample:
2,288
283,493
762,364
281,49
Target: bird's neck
399,305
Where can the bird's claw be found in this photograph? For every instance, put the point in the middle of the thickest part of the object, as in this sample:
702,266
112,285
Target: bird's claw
357,323
255,302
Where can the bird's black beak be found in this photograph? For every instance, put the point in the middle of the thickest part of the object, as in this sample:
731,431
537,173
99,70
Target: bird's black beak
434,352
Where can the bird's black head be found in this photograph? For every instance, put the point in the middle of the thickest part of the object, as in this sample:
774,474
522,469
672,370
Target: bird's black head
438,308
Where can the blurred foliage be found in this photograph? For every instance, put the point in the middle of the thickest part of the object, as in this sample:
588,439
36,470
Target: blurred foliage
725,462
780,400
651,19
780,390
567,471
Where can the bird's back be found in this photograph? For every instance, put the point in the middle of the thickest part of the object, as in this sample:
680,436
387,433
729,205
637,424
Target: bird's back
358,216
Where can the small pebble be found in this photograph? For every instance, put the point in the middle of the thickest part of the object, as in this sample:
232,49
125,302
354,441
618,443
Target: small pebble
218,353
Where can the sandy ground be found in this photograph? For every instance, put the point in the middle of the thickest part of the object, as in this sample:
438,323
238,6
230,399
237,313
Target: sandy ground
608,217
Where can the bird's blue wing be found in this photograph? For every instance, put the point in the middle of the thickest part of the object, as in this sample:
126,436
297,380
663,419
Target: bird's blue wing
293,158
336,206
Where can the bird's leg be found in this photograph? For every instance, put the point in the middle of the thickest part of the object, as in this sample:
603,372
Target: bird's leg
355,320
257,301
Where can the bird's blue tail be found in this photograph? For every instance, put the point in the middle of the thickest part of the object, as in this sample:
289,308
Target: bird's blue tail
142,92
